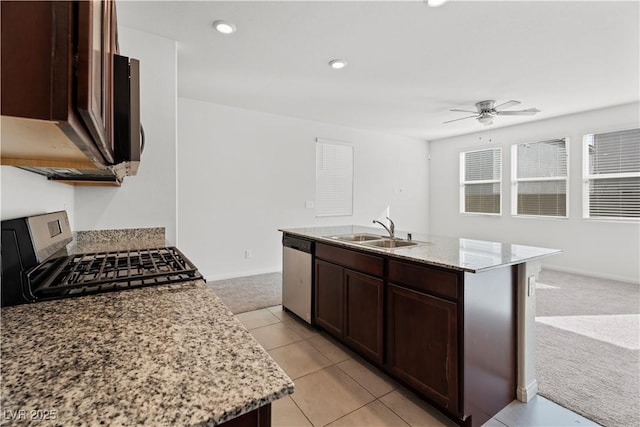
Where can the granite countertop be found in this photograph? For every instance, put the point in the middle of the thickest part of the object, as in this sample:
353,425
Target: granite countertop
457,253
165,355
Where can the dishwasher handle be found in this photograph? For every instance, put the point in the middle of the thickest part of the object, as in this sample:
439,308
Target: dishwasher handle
296,243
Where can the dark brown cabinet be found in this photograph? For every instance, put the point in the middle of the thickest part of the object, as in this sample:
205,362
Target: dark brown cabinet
260,417
329,296
423,330
422,343
364,308
58,89
448,335
349,303
95,50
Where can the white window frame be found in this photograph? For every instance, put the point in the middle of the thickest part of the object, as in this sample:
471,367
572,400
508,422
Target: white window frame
335,209
586,177
463,182
515,181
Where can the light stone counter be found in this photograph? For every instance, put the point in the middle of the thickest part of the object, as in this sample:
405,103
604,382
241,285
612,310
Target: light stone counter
166,355
457,253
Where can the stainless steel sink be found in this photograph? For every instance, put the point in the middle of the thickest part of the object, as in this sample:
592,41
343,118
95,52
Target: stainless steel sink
361,237
372,240
388,243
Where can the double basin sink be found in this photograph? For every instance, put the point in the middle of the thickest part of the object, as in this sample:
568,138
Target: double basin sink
372,240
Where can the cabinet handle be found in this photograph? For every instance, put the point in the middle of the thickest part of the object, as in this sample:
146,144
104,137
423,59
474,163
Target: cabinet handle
141,139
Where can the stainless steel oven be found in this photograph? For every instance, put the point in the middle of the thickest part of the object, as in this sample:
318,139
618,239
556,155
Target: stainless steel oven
37,267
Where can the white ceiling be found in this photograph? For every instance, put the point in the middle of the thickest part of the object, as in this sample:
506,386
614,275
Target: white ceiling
408,63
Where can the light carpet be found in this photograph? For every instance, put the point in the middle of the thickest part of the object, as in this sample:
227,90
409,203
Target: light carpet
249,293
617,329
587,346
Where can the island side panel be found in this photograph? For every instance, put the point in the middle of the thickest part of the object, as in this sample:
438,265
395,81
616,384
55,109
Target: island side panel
489,342
527,382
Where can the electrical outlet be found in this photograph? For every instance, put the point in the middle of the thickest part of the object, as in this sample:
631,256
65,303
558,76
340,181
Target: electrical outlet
309,204
247,254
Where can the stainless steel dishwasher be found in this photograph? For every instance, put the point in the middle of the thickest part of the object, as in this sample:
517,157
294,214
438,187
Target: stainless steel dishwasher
297,276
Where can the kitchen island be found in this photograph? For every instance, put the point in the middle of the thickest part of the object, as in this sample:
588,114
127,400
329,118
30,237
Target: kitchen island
451,318
165,355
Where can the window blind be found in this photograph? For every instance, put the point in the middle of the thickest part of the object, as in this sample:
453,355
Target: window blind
334,179
614,152
481,175
540,178
612,175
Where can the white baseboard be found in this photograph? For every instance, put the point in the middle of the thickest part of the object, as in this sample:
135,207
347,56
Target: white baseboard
525,394
633,280
210,276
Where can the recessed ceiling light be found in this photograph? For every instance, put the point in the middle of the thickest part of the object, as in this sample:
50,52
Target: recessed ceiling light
436,3
337,64
224,27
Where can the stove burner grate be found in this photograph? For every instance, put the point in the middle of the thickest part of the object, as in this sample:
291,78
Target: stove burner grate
114,270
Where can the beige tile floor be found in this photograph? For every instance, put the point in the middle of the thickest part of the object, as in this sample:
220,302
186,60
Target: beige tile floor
335,387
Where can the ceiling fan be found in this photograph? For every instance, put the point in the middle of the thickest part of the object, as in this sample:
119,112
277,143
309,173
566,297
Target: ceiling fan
487,110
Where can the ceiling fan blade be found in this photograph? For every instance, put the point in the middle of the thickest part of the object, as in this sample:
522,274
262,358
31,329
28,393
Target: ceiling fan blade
462,118
464,111
507,104
528,112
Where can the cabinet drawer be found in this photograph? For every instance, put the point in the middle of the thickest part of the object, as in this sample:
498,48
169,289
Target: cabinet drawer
369,264
424,278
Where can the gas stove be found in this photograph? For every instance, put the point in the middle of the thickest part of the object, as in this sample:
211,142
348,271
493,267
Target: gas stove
36,266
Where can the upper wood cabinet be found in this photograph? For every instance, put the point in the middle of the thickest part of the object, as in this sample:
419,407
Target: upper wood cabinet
57,85
96,19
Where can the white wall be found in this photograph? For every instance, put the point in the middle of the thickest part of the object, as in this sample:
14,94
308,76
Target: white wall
26,193
243,174
599,248
148,199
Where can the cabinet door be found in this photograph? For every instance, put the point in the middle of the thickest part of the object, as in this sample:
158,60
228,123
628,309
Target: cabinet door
94,85
329,296
422,344
364,309
36,60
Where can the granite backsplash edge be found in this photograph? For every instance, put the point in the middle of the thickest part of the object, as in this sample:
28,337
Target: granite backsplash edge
118,239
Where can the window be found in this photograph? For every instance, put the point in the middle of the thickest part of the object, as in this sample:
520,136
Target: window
334,179
539,176
611,172
480,181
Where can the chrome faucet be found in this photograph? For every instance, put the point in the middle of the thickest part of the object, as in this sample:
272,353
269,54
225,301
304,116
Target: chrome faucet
391,230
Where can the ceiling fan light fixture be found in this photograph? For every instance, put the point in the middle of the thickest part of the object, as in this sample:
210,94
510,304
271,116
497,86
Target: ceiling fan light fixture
487,110
224,27
338,64
485,120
